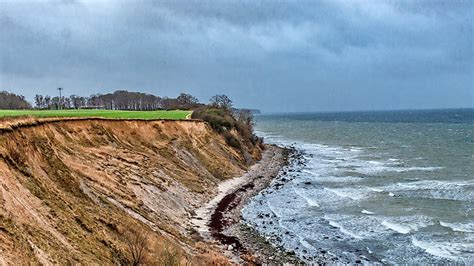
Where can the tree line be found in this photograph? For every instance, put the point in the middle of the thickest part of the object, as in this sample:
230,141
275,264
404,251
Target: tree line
12,101
118,100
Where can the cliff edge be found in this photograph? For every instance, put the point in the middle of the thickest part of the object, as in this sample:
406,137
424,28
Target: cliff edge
106,191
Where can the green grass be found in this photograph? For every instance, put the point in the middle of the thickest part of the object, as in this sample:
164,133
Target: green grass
176,114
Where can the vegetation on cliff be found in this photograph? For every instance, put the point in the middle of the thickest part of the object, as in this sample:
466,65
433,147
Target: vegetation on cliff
88,191
85,190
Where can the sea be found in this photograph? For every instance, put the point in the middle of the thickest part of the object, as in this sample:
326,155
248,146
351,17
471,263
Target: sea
388,187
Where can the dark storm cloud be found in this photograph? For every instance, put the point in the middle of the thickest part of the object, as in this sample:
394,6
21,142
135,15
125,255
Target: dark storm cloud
278,56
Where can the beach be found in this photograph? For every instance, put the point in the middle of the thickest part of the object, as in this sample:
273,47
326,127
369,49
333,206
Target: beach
220,219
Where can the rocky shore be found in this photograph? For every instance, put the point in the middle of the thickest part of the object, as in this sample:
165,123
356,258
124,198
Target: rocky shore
268,247
220,220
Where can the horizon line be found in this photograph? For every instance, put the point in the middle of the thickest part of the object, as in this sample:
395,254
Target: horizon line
367,110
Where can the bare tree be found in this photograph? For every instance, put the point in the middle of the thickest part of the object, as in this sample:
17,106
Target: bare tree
245,116
47,101
187,101
77,101
137,243
39,101
221,101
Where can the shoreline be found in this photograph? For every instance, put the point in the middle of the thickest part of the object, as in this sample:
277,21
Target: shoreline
220,219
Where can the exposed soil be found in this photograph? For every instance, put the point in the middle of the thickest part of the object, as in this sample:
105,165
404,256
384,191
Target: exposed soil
71,189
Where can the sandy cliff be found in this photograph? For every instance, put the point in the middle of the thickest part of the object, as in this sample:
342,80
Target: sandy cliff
82,191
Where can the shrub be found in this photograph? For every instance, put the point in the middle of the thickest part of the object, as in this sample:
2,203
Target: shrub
224,120
170,256
232,141
219,119
137,243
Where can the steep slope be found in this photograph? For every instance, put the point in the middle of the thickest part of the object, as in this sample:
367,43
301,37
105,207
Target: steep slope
87,190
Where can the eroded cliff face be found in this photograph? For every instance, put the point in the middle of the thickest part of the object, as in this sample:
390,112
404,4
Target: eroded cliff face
81,191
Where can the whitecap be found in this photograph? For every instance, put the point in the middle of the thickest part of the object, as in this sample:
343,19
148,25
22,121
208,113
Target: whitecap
312,203
308,200
367,212
429,184
437,189
369,250
375,189
448,250
344,230
391,165
407,224
396,227
272,209
306,244
415,168
354,194
459,227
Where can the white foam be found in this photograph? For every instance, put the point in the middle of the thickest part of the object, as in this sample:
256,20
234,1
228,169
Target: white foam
375,189
438,189
344,230
367,212
306,244
369,250
396,227
311,202
433,249
329,166
448,250
323,175
273,210
390,165
346,193
459,227
408,169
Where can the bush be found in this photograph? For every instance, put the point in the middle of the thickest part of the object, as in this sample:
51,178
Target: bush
137,243
219,119
224,121
232,141
170,256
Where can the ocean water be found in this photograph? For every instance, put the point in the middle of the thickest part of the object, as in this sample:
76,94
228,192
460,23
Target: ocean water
391,187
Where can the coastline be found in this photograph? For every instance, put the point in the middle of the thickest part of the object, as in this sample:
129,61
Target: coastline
220,220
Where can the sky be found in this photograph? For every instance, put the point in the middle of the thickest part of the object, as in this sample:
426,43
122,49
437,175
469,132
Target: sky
277,56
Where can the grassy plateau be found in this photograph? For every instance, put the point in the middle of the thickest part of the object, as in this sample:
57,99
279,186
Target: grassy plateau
114,114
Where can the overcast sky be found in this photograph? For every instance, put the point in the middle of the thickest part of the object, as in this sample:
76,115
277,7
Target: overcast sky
276,56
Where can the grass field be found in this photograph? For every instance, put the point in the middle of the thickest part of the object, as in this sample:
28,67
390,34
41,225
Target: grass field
177,114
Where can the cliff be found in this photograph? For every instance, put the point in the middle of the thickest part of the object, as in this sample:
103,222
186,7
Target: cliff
92,190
